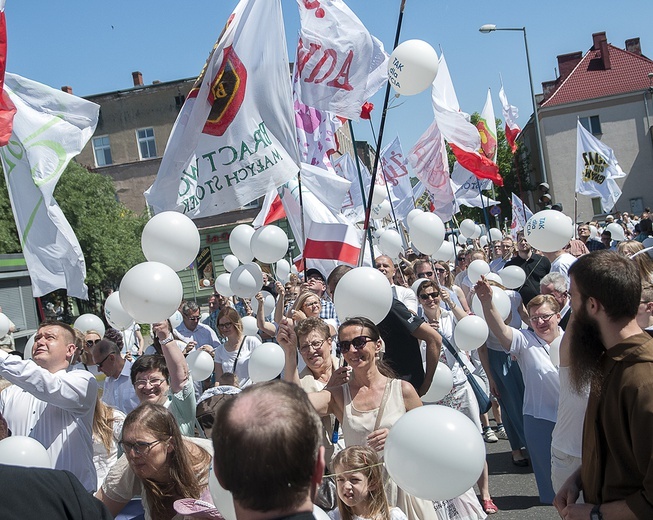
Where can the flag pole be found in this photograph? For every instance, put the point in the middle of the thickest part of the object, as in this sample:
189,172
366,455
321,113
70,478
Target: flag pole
487,220
301,214
366,225
360,181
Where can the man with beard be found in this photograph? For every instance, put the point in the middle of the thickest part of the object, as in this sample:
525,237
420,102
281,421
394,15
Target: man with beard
611,353
535,266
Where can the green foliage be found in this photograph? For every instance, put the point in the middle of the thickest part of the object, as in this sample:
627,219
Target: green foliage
108,233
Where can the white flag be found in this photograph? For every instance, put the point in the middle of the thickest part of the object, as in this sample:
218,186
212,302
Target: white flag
234,139
50,128
596,169
394,165
353,205
510,115
339,63
467,189
520,215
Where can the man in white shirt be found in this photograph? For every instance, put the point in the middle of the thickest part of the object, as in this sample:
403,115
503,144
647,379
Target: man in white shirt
118,389
192,331
560,261
404,294
51,405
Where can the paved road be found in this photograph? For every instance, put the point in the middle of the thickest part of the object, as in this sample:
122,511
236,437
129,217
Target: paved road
513,488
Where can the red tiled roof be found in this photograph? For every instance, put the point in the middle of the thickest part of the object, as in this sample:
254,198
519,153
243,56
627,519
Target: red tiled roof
589,80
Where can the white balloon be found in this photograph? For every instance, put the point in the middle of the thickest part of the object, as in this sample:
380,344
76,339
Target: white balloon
246,280
293,269
427,233
176,319
512,276
268,303
382,210
477,269
222,499
319,513
171,238
495,234
249,326
441,385
433,470
483,241
269,244
27,353
412,67
499,299
594,233
411,215
5,325
494,277
204,316
230,262
363,291
200,364
266,362
222,285
548,230
554,351
26,452
462,240
379,195
616,232
477,231
283,270
470,333
150,292
446,253
467,228
240,242
116,316
89,322
390,243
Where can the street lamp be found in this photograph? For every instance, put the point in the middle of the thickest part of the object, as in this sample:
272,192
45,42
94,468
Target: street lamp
490,27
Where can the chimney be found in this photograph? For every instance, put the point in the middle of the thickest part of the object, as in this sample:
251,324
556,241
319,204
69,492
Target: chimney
601,44
548,88
138,79
567,63
67,89
634,46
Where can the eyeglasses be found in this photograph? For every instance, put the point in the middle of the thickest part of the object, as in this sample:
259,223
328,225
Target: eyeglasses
138,448
142,383
426,274
99,365
358,343
91,342
193,318
226,325
440,270
312,344
429,296
544,318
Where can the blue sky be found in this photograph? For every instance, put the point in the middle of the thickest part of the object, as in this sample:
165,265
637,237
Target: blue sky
94,46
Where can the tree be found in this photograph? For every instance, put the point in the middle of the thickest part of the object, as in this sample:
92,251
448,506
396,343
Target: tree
108,233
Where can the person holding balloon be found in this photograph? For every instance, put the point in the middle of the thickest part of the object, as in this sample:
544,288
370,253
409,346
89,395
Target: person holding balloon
166,380
461,397
369,402
541,380
309,305
233,355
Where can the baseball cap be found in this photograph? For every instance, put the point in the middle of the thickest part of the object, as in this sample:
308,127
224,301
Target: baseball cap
314,272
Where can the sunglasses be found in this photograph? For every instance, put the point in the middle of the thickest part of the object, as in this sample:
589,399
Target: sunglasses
358,343
138,448
193,318
426,274
226,325
99,365
440,270
429,296
91,342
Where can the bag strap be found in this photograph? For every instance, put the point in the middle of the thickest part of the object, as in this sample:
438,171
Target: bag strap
454,352
384,400
238,354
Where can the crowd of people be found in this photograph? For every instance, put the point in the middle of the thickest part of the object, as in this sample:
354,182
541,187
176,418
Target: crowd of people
568,372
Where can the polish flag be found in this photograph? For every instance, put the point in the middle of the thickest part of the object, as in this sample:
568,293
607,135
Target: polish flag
510,115
7,108
333,241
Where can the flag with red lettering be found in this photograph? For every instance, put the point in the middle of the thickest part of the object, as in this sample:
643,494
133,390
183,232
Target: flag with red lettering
234,139
394,166
7,108
428,159
339,64
520,215
510,115
462,136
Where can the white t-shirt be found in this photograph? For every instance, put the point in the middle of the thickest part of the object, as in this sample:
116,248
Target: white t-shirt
541,381
227,359
568,432
562,264
492,342
406,296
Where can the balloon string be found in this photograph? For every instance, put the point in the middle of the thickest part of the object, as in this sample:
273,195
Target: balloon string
355,470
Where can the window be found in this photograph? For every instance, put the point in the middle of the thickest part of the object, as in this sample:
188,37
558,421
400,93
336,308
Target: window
179,101
597,208
102,150
146,144
591,124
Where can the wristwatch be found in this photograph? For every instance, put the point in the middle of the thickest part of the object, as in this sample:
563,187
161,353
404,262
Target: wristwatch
595,514
167,340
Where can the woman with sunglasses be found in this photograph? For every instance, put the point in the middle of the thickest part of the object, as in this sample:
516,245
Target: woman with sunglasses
233,355
461,397
166,380
445,279
159,464
83,358
541,380
369,402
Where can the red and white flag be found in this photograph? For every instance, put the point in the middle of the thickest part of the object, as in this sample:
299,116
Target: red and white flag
339,64
7,108
510,115
316,134
487,129
234,139
462,136
520,215
428,159
333,241
394,165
